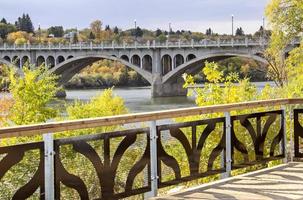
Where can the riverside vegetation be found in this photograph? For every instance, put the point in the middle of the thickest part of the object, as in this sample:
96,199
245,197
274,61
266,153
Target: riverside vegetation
30,104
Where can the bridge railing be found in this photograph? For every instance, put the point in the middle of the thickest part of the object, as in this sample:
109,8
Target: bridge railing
127,155
149,44
145,45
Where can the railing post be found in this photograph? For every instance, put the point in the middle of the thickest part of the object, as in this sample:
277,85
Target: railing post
292,134
153,160
283,125
228,143
49,166
192,43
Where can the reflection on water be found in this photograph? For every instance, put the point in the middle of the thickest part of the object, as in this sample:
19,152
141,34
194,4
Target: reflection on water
137,99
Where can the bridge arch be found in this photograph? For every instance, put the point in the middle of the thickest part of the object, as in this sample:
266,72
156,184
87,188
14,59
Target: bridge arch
69,57
178,60
16,61
136,60
5,61
166,64
190,57
40,60
195,64
60,59
25,60
71,67
50,61
125,57
147,63
7,58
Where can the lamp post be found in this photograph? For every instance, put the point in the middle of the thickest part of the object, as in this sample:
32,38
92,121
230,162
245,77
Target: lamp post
135,21
232,25
39,33
169,30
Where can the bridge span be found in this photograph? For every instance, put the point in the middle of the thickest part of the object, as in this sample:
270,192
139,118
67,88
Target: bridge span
161,64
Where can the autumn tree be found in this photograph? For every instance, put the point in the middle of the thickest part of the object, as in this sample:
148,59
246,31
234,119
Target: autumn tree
57,31
285,17
96,28
32,94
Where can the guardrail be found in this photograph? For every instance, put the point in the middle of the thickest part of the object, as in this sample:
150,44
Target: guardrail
136,161
137,45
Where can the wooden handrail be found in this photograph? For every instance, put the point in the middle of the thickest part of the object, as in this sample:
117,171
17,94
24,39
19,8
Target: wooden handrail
36,129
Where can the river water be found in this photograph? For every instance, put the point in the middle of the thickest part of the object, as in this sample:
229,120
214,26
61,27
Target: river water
138,99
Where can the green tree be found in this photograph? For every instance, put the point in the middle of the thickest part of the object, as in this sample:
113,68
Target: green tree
240,32
3,20
5,29
57,31
209,32
32,94
116,30
24,23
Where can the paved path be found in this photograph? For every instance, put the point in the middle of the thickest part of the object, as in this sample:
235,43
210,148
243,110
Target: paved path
283,182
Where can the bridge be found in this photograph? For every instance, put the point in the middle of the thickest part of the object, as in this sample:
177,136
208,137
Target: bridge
161,64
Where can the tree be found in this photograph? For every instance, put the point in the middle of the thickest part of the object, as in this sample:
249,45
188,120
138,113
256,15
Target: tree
285,19
240,32
107,28
116,30
57,31
91,36
3,20
137,32
158,32
209,32
96,27
32,94
5,29
24,23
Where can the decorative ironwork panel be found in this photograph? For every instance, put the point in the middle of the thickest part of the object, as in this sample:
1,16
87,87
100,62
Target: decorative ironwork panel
22,171
187,154
103,166
298,133
256,138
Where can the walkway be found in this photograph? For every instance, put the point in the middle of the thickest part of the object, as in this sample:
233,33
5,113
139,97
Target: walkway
282,182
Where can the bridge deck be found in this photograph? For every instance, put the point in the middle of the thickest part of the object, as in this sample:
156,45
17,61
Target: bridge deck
282,182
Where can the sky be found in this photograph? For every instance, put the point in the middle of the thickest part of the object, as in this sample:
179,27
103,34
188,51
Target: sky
194,15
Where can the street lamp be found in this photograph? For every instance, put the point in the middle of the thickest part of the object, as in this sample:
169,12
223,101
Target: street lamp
135,29
39,33
232,25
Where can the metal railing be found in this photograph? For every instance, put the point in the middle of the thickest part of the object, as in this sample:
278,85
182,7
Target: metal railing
137,161
206,43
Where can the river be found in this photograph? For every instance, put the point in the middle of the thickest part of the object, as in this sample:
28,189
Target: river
138,99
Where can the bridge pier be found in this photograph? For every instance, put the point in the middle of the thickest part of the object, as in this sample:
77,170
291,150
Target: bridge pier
169,89
61,93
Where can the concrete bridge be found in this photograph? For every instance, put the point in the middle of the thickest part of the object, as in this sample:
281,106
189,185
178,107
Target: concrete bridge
161,64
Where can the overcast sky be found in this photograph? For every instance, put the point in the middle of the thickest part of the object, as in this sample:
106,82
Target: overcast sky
195,15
